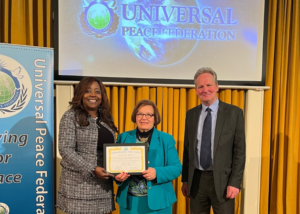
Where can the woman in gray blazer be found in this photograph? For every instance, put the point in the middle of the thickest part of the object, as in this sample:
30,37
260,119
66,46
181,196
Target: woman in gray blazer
85,186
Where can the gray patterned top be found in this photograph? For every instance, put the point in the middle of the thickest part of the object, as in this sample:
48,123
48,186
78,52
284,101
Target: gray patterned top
79,192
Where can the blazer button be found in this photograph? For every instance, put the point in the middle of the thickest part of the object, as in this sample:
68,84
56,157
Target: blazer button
149,187
148,162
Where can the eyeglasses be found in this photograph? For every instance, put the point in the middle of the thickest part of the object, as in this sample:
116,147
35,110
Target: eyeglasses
148,116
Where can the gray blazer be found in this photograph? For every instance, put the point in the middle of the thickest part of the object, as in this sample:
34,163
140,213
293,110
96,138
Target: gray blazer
78,149
229,148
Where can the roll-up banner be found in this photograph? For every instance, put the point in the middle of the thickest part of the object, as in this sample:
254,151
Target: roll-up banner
26,130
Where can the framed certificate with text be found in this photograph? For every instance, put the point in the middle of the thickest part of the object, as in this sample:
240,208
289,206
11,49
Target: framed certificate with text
126,157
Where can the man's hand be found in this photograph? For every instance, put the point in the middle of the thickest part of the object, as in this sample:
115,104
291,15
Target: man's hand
101,173
185,190
232,192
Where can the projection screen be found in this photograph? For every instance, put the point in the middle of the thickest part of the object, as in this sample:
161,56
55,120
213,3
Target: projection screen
160,41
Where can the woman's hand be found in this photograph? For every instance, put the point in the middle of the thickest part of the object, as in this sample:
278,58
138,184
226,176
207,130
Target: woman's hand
149,174
101,173
122,176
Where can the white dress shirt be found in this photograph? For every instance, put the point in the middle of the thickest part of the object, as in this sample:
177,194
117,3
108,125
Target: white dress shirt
214,111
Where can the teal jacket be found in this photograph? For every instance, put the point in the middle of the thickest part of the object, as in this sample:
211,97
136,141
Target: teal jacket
163,157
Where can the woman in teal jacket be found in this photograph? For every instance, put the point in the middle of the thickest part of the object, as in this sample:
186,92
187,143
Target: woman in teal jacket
152,192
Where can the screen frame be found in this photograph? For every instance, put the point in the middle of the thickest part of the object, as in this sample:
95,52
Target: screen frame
55,10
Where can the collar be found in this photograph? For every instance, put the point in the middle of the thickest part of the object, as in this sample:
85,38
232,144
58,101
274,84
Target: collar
144,134
213,107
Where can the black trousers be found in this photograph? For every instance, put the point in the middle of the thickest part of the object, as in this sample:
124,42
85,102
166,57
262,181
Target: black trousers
203,195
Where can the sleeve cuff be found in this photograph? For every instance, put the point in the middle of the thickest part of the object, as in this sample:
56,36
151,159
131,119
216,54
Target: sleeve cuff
92,172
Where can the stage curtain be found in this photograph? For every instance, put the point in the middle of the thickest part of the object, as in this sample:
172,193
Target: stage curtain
26,22
172,104
280,174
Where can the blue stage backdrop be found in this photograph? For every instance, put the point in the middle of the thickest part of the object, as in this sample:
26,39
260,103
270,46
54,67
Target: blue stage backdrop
26,130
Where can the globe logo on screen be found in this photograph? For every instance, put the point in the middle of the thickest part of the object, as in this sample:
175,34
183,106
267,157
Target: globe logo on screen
98,18
15,87
161,47
4,209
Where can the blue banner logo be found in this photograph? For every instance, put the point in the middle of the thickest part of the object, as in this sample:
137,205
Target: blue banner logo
15,87
4,209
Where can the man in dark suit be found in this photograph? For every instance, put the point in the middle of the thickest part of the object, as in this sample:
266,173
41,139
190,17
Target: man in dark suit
214,150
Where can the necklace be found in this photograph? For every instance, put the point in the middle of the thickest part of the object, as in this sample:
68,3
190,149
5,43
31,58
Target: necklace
143,139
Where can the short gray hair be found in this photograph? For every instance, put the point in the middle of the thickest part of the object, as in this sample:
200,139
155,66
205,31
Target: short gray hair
207,70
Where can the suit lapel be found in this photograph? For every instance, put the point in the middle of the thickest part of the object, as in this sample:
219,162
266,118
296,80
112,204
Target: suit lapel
221,117
152,153
154,139
131,138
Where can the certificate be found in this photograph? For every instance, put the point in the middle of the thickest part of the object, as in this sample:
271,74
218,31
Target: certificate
125,157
